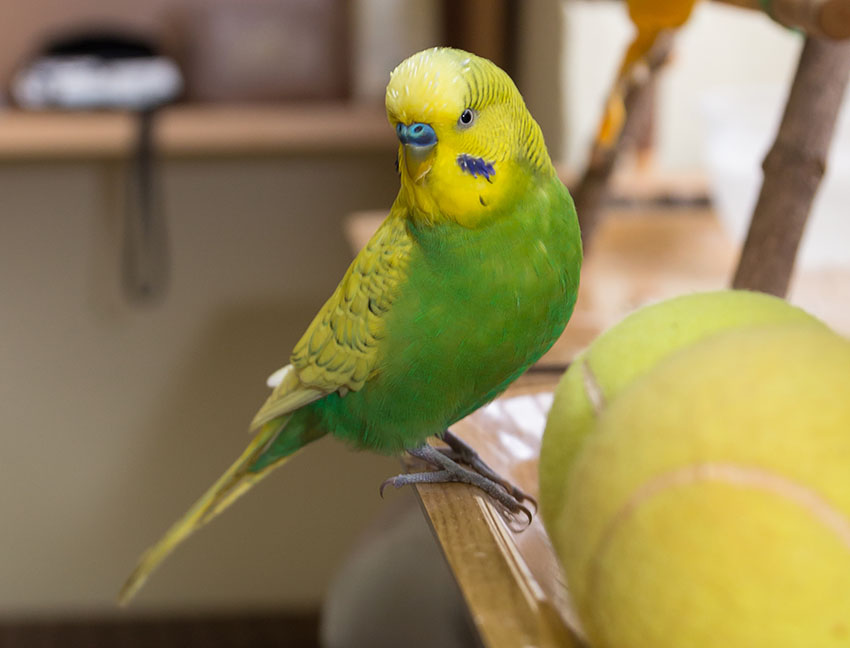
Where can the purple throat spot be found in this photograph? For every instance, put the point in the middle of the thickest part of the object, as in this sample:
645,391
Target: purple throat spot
476,166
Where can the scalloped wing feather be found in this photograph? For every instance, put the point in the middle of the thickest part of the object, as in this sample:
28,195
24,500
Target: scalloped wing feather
340,349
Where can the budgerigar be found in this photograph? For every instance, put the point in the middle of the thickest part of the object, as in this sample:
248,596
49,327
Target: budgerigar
469,280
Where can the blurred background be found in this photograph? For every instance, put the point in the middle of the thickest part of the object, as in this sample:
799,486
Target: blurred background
164,242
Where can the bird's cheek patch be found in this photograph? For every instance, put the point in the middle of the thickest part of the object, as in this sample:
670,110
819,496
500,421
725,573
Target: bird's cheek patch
476,166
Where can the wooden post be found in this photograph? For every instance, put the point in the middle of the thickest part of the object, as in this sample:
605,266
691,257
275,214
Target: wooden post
794,167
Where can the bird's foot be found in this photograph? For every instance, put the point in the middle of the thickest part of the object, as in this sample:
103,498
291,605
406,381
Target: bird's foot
450,471
461,452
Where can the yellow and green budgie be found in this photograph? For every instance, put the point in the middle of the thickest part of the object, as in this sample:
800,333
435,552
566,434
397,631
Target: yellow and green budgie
468,281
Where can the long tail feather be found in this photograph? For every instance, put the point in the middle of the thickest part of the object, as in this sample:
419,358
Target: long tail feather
230,486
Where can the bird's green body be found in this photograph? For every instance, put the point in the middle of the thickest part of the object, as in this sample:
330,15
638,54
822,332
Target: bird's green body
469,280
475,309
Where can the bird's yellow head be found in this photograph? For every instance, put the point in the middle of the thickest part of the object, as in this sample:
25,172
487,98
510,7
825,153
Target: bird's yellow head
466,136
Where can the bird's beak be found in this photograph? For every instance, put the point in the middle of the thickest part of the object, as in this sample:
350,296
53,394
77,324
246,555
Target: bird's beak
419,142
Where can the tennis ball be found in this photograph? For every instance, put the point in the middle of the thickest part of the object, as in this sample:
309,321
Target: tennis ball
711,505
628,350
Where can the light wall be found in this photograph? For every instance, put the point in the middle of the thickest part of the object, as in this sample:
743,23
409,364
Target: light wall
116,417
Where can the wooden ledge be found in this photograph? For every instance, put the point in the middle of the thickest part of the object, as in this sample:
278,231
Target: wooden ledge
196,130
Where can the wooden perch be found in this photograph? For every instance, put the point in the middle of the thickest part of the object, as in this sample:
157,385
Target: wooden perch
822,18
793,167
592,190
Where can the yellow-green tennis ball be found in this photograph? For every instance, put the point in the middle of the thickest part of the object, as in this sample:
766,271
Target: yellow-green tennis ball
628,350
711,505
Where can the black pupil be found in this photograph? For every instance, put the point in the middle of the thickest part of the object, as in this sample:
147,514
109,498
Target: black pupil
466,116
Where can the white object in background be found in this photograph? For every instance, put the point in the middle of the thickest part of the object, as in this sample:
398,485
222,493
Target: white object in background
740,124
79,82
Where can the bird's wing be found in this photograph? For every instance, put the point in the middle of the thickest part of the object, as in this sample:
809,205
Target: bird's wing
339,350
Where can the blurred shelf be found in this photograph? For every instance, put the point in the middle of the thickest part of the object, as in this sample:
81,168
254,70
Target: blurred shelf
196,131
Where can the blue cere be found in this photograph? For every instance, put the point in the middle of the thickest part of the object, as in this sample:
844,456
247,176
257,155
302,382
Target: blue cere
476,166
416,134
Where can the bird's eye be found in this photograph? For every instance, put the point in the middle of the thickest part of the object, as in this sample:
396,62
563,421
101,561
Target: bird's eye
466,117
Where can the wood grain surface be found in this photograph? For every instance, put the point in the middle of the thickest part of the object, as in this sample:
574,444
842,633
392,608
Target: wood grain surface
509,577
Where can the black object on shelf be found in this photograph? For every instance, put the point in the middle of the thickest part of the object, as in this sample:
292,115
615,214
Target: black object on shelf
101,69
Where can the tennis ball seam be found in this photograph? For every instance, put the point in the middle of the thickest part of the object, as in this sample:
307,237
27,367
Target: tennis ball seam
592,388
727,473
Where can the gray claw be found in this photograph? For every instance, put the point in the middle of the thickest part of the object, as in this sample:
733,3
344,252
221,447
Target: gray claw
449,471
460,451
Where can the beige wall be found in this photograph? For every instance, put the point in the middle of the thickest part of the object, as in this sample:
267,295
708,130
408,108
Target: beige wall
116,417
